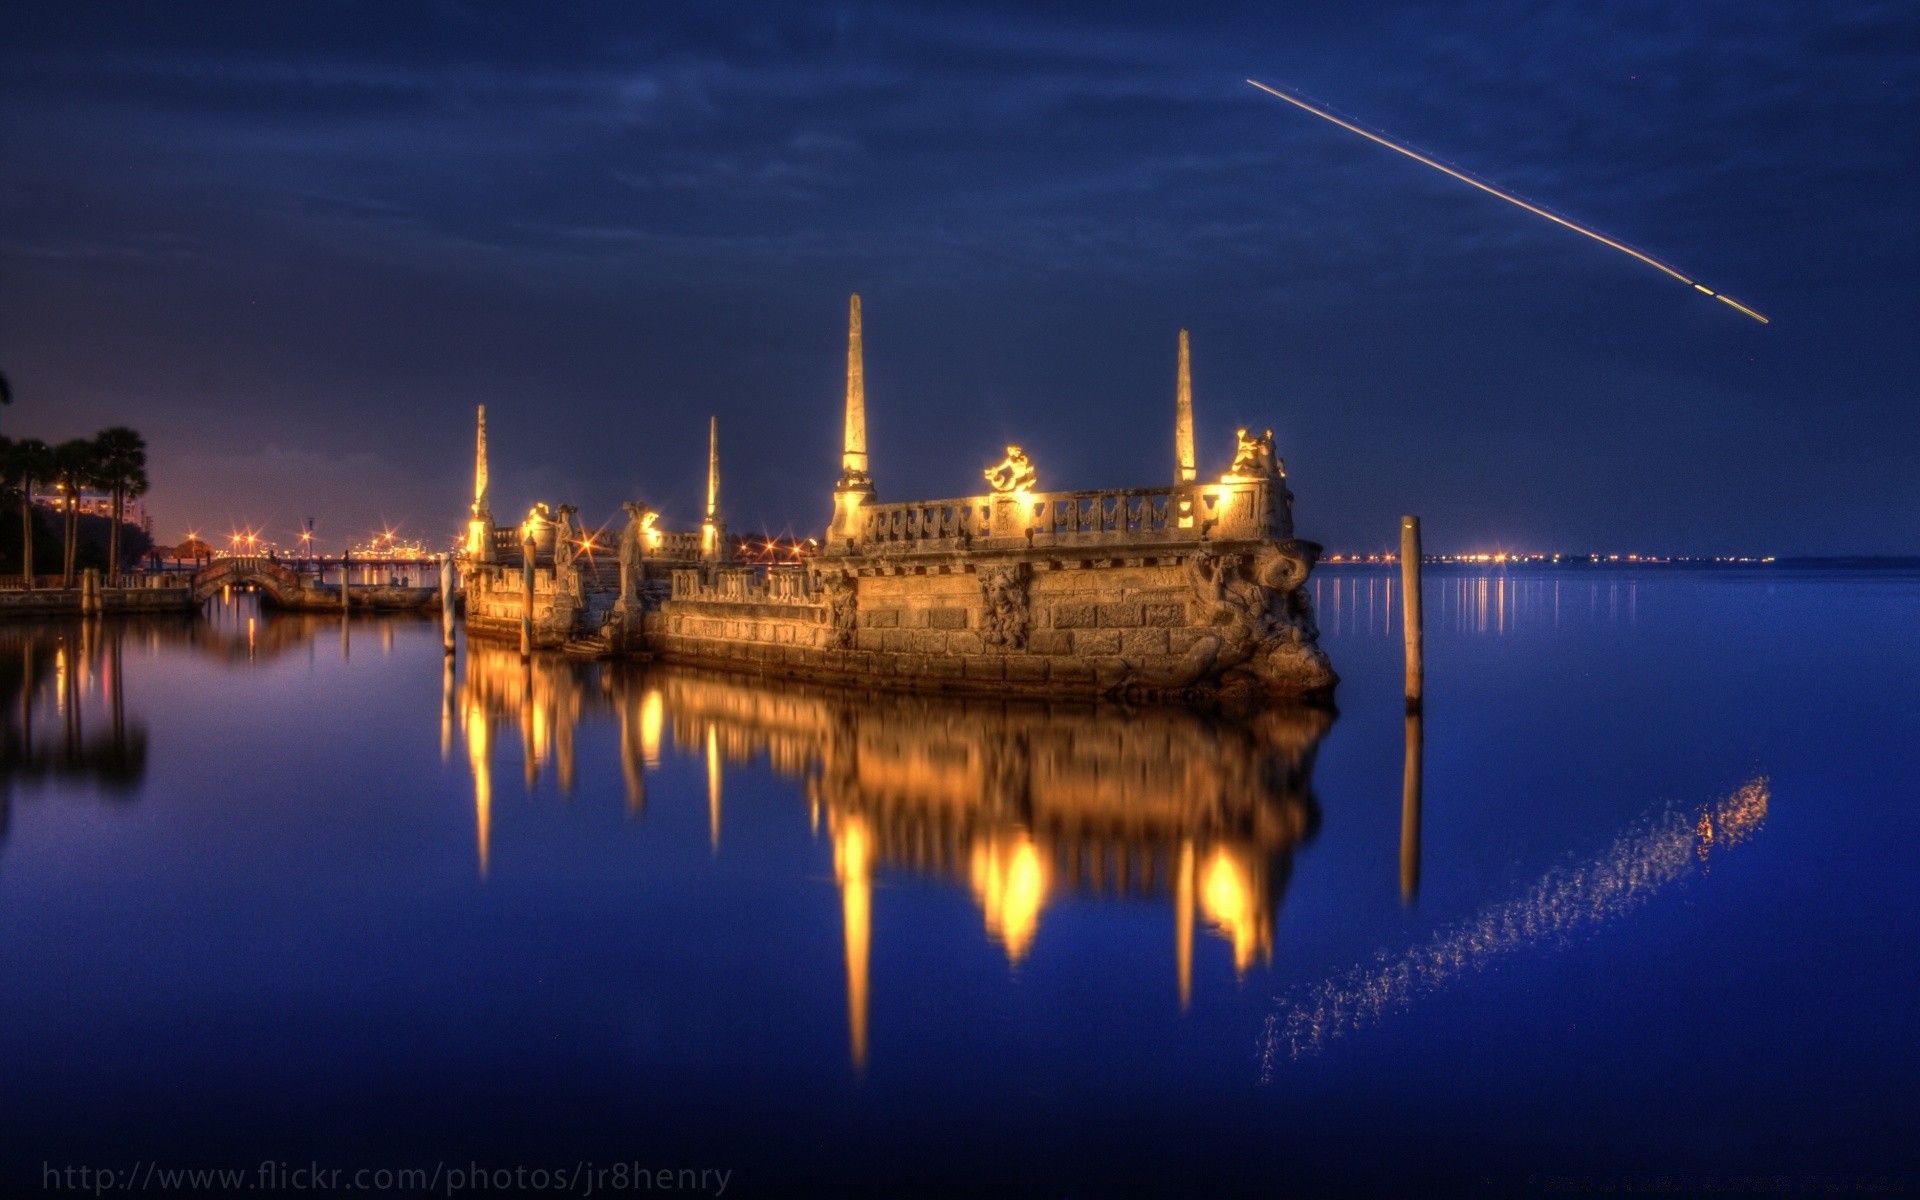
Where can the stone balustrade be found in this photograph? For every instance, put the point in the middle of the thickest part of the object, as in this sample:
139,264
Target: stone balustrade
676,545
1187,513
745,585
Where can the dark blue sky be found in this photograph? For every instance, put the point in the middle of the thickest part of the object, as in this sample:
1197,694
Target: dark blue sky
296,245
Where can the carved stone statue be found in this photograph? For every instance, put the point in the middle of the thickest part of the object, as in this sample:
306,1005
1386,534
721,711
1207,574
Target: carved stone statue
633,548
1003,623
1253,457
1014,473
566,541
842,609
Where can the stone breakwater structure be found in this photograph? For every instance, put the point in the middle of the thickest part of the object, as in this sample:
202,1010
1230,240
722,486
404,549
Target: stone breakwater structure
1196,589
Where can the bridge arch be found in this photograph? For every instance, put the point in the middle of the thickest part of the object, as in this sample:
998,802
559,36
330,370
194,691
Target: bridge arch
277,580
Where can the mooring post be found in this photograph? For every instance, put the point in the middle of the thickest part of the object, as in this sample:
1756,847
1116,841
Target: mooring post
526,596
1410,597
346,579
446,602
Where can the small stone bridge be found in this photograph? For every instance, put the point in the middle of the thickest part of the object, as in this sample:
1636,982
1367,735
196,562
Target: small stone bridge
280,582
285,587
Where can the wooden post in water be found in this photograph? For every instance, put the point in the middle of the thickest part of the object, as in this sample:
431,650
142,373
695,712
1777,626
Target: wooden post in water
1410,597
346,579
526,596
446,603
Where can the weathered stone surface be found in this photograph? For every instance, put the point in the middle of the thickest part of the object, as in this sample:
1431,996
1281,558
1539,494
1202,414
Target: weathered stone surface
1070,672
947,618
964,642
985,667
1096,641
1138,643
1022,669
1164,615
868,639
881,618
1074,616
1179,641
942,667
928,641
1119,616
1050,641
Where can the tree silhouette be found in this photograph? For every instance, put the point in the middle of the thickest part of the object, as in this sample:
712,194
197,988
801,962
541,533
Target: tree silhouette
75,461
25,464
120,466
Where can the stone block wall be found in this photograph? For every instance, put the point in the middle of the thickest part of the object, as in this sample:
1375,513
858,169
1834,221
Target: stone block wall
990,624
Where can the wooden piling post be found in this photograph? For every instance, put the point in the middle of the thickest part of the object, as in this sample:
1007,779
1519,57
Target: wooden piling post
446,603
346,580
1410,597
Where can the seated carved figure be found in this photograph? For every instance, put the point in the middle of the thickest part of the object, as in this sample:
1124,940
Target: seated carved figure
1253,457
1014,473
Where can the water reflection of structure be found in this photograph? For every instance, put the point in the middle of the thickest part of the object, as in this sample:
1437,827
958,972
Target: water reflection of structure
1660,851
1017,802
63,715
1363,601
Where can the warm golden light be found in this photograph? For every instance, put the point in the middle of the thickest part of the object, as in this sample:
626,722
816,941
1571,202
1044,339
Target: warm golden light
652,719
479,751
713,785
853,871
1010,881
1231,902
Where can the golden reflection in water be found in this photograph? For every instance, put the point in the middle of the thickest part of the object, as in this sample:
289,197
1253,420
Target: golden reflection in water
1017,803
853,872
1010,882
479,747
1660,851
713,786
652,718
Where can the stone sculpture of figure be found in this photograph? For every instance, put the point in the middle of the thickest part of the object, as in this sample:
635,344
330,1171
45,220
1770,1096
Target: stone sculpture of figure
566,541
1253,457
633,548
1003,622
1014,473
842,609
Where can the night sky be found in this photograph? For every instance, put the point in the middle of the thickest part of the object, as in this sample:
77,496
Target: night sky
295,245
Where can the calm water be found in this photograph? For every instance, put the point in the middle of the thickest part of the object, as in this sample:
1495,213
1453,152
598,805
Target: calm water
275,890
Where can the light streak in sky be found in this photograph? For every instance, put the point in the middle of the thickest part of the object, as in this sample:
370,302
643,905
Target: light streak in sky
1567,900
1509,197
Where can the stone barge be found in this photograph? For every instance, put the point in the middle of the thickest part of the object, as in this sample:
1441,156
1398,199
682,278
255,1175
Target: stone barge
1192,590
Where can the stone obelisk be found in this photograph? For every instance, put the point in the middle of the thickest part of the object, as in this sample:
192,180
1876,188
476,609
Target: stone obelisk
856,485
853,461
713,531
1184,471
480,526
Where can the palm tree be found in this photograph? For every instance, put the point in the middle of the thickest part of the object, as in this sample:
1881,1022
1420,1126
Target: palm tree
121,468
29,461
73,466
